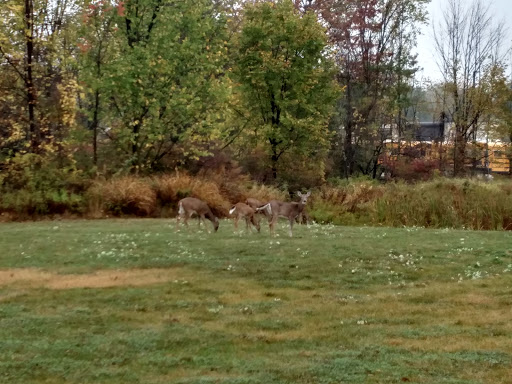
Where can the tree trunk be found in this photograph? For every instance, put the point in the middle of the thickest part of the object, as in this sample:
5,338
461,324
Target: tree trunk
275,157
135,147
274,166
348,148
459,154
34,132
94,127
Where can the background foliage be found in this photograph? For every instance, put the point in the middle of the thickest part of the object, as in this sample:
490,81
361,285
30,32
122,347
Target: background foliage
288,94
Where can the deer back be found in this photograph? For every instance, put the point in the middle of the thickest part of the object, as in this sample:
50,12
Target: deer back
253,203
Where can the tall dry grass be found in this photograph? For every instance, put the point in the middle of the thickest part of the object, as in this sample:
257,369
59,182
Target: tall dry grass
158,196
264,193
446,203
121,196
171,188
439,203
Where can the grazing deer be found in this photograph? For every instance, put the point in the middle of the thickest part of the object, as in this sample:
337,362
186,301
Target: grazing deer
190,205
243,210
290,211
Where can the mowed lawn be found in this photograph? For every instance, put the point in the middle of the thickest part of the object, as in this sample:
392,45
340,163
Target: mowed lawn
134,301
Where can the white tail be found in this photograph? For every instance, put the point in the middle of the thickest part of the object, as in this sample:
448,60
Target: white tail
291,211
244,211
189,206
181,211
267,208
255,204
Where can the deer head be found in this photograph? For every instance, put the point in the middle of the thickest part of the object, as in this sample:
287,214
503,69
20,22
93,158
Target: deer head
304,197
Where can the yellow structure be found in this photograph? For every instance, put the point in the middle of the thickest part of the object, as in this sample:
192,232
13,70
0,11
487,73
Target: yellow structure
434,141
484,157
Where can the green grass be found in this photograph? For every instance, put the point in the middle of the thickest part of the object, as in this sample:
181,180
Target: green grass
133,301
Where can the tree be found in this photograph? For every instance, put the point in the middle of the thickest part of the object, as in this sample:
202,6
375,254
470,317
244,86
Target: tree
373,41
497,122
166,88
286,80
467,41
36,68
97,50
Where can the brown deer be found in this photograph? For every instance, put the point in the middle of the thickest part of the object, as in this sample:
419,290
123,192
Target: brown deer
190,205
241,210
291,211
254,204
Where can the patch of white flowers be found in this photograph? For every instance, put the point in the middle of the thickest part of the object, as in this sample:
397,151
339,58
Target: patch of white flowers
413,228
406,260
216,309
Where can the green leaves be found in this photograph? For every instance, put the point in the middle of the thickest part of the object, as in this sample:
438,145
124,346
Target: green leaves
285,79
164,81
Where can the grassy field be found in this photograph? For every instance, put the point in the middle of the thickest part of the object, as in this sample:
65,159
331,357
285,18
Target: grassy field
133,301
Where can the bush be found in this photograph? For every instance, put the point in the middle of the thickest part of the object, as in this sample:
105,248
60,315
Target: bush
126,195
170,189
412,169
33,185
439,203
263,193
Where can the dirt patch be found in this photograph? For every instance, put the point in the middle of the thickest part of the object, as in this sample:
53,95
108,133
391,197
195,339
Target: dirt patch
35,278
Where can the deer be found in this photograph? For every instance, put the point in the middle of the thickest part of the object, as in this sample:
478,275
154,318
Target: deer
254,204
242,210
291,211
190,205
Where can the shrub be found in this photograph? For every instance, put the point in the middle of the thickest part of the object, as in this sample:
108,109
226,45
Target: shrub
170,189
264,193
439,203
445,203
33,185
125,195
412,169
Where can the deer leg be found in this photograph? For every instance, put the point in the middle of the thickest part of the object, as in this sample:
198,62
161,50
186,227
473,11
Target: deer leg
247,223
178,221
306,217
271,224
235,222
291,227
185,219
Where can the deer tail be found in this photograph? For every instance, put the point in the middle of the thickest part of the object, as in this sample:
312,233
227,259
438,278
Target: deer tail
232,210
181,211
265,207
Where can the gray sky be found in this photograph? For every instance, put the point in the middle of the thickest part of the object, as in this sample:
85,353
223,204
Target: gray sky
502,9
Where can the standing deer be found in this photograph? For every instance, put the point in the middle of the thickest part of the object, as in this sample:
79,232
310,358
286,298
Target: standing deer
291,211
190,205
241,210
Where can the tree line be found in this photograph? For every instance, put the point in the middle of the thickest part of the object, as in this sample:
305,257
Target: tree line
288,90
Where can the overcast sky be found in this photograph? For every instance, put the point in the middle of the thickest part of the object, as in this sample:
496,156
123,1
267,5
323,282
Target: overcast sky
501,9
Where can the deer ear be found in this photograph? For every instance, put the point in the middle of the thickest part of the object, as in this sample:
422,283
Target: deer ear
308,194
299,194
